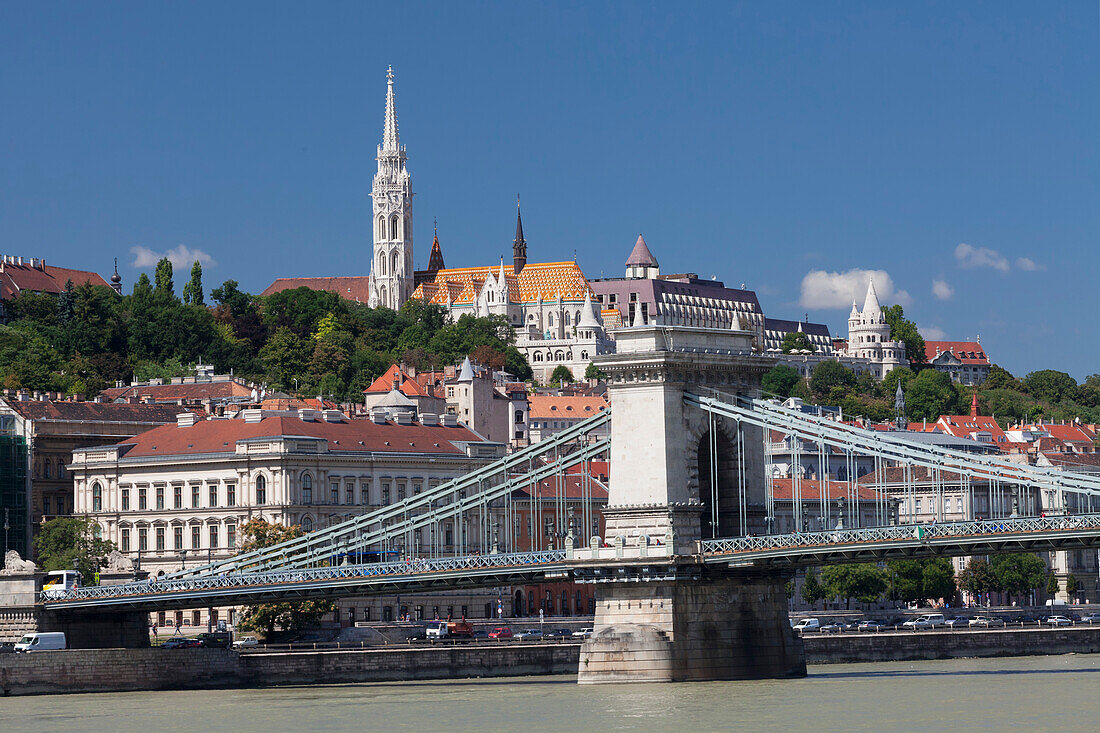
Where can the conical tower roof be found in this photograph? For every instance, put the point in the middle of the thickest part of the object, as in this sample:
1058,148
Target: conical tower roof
641,255
871,305
466,374
588,315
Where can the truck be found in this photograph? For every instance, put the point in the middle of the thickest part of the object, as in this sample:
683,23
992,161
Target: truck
41,641
450,629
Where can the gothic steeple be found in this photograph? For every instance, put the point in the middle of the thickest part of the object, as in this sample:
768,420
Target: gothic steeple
435,259
392,258
390,142
519,246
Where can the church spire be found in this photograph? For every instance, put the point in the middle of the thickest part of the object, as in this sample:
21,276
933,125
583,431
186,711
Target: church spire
390,142
519,246
435,259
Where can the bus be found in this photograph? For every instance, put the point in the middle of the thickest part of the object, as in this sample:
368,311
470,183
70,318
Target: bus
59,582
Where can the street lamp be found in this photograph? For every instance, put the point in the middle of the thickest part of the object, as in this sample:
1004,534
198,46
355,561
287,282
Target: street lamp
6,528
183,559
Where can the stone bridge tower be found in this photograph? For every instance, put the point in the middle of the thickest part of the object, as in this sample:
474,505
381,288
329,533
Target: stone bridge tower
679,475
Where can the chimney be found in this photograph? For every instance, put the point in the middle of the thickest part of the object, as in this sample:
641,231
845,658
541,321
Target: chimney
307,415
378,415
404,417
974,405
450,420
332,416
429,419
149,400
186,419
251,416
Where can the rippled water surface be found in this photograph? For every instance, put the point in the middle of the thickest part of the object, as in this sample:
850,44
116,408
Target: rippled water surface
1023,693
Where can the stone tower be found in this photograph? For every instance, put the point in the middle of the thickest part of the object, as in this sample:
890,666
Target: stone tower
869,335
391,272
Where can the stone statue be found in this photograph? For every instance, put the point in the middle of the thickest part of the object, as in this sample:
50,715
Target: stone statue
119,563
13,564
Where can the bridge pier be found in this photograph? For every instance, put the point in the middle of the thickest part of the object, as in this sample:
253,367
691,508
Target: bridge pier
106,629
695,629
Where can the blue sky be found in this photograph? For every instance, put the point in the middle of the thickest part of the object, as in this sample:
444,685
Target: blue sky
950,147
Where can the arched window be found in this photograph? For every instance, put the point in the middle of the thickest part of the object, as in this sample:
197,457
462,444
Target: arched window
382,296
97,497
567,318
550,319
46,468
538,356
261,489
584,356
395,261
381,228
381,263
393,227
307,524
307,489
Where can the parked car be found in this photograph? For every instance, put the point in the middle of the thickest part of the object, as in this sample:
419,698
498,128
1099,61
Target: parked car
916,624
992,622
583,633
181,642
1091,618
871,625
500,633
808,624
959,622
530,634
215,639
832,628
1059,621
245,642
416,633
559,634
481,633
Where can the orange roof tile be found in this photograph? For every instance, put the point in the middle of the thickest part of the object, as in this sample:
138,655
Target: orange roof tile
569,406
545,280
406,384
968,352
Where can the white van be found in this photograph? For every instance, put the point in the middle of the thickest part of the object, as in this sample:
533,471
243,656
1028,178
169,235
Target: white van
808,624
41,641
935,619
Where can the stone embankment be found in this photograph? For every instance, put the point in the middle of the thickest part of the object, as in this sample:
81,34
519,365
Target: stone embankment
116,670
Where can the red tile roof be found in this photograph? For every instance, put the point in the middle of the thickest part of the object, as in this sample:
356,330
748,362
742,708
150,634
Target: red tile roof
190,391
355,435
968,352
783,490
964,426
1069,433
352,287
408,386
546,280
573,486
15,279
571,407
94,411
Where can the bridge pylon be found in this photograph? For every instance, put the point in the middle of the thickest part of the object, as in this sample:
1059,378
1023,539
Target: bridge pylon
680,475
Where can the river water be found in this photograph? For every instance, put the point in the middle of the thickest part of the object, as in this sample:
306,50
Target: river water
1021,693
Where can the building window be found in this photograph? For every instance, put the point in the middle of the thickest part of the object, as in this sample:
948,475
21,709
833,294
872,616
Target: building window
261,490
400,490
141,499
125,500
349,494
196,540
385,493
160,497
143,539
307,489
213,536
97,497
46,469
160,539
307,524
231,536
177,497
334,493
177,538
125,542
231,495
213,496
416,486
195,500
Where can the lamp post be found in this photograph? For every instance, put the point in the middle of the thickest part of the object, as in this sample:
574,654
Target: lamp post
183,559
6,528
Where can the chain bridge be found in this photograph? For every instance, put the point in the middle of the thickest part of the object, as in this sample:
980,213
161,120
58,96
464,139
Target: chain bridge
699,543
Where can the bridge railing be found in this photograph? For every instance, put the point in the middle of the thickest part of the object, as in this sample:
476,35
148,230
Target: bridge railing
921,532
403,568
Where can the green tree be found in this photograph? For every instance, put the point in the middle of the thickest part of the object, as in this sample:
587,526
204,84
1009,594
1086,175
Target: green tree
192,291
812,590
561,374
1053,586
1018,573
921,580
1051,386
930,395
285,357
163,276
593,372
780,380
1000,378
904,330
796,341
1072,586
65,540
863,581
830,374
977,577
266,617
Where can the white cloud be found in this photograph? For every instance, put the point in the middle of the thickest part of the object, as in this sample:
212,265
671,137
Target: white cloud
968,256
821,289
942,290
932,333
181,257
1028,265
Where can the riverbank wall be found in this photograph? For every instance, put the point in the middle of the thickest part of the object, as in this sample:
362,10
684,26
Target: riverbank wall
923,645
118,670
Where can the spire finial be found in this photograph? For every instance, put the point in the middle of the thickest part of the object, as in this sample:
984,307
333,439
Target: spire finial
435,225
390,141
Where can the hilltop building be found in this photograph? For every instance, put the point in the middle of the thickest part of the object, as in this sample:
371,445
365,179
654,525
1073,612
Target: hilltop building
32,275
964,361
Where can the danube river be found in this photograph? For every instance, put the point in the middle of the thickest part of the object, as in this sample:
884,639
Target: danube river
1020,693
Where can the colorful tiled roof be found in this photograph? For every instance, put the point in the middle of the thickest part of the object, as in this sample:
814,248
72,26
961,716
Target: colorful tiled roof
545,280
611,318
968,352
